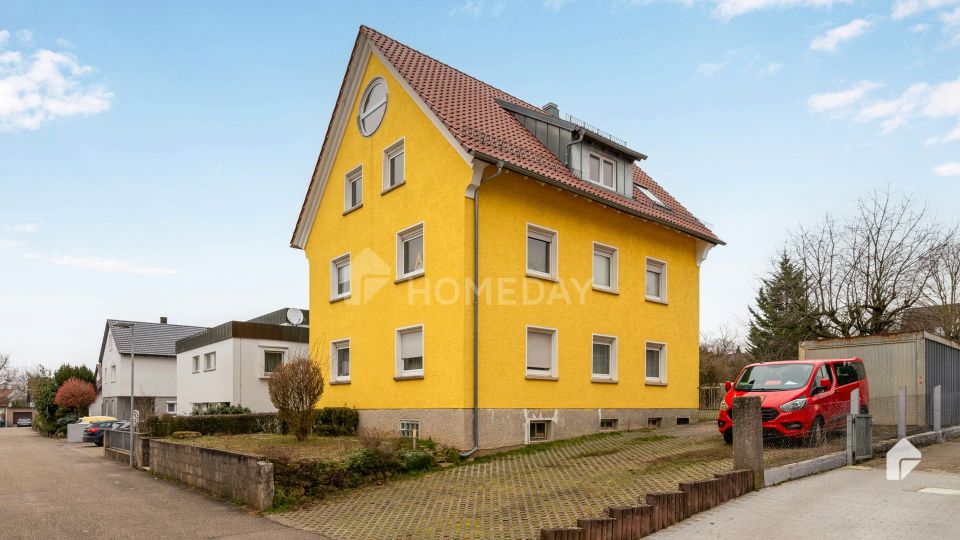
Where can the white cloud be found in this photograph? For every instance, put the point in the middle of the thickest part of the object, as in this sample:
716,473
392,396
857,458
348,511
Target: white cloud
907,8
65,43
45,85
895,113
828,42
556,5
920,28
19,228
948,169
475,8
727,9
111,265
25,37
707,69
4,36
832,101
771,69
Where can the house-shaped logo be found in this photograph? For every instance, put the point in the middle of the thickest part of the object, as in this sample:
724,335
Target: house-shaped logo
370,274
901,460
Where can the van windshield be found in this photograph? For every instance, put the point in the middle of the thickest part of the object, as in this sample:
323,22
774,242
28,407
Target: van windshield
772,377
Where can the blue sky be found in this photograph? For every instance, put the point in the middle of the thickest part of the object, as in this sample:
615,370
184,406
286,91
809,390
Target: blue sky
153,158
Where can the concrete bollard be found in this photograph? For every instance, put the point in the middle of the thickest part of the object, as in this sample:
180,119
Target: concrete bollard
748,437
902,412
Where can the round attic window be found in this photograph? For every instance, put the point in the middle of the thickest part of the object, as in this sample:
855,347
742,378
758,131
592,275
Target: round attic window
373,106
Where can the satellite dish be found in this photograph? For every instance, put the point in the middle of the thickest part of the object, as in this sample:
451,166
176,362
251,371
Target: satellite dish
295,316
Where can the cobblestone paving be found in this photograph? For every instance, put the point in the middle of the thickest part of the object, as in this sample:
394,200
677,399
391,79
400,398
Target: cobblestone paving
512,497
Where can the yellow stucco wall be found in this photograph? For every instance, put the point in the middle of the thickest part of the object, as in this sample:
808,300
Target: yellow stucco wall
436,177
434,193
508,203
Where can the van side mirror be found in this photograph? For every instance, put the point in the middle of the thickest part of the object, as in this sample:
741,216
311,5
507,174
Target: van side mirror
824,383
727,385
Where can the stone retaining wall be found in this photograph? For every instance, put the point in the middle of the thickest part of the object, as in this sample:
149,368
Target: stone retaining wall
237,477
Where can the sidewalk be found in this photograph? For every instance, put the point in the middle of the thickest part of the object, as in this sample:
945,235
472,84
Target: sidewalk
853,502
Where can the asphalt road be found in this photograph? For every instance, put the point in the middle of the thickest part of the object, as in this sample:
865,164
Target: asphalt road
54,489
852,502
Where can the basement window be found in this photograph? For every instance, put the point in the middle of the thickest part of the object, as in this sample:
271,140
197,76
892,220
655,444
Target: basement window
654,422
608,423
410,429
539,430
683,421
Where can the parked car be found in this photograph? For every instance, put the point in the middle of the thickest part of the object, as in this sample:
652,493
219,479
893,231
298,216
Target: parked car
24,422
802,399
94,432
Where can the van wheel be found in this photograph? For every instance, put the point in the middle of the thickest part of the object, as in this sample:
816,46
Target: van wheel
816,435
728,436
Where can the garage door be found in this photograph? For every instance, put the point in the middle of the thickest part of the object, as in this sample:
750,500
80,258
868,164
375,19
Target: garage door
19,415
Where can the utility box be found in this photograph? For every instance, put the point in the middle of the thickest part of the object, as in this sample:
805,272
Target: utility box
918,361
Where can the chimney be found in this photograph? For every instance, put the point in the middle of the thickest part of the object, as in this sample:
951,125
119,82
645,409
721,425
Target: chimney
163,320
552,109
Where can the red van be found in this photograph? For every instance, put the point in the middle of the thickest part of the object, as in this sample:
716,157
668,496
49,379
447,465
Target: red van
802,399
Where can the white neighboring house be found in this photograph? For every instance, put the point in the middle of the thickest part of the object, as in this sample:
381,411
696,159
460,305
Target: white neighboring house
155,372
230,364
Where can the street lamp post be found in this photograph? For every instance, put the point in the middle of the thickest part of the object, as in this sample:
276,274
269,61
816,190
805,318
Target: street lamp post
133,360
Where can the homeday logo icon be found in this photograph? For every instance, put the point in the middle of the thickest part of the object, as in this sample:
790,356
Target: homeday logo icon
901,460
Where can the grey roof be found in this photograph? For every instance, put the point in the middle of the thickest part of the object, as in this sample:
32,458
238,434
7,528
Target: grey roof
152,339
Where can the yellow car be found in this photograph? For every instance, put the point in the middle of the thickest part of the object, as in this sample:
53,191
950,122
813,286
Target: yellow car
92,419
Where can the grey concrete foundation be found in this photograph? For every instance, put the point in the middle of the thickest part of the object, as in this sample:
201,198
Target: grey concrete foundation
501,428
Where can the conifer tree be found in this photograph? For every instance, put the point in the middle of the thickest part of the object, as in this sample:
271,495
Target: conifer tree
783,316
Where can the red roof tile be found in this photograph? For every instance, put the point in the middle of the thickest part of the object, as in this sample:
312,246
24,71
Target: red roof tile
468,108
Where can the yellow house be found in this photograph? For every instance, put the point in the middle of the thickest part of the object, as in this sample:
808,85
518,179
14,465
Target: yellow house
489,273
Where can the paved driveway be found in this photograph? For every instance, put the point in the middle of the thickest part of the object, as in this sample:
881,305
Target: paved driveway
53,489
853,502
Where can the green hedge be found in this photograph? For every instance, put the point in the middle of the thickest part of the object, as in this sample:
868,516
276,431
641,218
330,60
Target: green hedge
329,421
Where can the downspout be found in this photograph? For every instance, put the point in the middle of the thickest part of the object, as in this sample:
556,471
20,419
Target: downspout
566,153
476,312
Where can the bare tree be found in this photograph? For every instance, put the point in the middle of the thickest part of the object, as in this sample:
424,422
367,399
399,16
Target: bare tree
721,357
8,374
866,271
295,387
941,298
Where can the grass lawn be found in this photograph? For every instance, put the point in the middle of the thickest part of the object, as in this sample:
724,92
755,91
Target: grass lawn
260,444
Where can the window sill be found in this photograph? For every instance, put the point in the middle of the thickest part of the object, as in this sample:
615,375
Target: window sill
408,377
393,187
545,277
348,210
408,277
608,290
344,381
336,299
265,375
655,382
211,369
602,380
538,377
656,300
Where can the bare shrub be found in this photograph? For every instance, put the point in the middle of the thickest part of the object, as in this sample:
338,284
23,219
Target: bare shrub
295,387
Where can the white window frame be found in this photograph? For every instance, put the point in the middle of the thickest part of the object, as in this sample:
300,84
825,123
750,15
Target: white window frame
410,233
399,147
613,254
354,174
599,181
546,235
206,364
547,428
412,425
366,93
335,264
196,363
553,374
113,373
410,373
335,347
174,411
662,347
614,345
263,359
663,280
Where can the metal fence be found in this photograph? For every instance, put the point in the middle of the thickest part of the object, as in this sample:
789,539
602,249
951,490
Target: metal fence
119,440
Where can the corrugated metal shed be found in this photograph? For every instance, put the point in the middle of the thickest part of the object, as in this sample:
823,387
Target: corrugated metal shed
918,361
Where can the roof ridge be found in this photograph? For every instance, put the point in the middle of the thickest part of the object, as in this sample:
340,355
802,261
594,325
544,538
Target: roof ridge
448,66
112,321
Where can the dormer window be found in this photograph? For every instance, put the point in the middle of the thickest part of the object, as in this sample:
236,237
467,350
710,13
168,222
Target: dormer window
649,194
602,171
